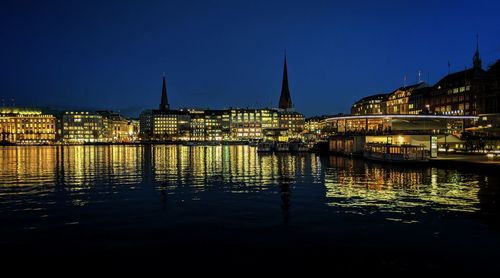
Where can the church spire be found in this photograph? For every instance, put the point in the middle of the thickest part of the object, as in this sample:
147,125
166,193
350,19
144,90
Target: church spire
285,99
164,100
476,60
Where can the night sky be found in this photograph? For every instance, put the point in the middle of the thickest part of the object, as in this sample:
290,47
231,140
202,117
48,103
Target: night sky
220,54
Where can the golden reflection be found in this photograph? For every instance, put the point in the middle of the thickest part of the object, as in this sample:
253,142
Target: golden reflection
392,186
239,168
72,167
27,165
84,166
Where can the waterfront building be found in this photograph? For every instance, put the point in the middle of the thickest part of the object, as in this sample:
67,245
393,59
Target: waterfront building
26,126
97,127
249,124
371,105
315,127
293,122
399,124
354,131
458,93
209,125
234,124
118,128
163,123
398,102
418,101
83,127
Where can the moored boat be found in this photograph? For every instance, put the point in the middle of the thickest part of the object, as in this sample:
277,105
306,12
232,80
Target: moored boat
281,147
395,153
298,147
265,147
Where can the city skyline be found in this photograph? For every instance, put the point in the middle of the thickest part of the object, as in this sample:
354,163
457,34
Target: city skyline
88,57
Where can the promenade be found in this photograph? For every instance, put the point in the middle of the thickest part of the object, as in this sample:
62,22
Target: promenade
472,162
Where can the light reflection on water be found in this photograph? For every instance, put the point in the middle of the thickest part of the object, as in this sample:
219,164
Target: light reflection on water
220,200
85,171
355,183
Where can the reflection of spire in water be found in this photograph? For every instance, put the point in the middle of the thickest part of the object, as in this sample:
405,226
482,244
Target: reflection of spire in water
286,171
285,195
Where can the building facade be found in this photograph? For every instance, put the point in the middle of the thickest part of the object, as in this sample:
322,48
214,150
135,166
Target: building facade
26,126
293,122
118,128
456,93
398,102
209,125
233,124
165,125
249,124
83,127
372,105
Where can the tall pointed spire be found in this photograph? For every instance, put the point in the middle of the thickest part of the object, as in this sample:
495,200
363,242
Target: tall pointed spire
476,60
164,100
285,99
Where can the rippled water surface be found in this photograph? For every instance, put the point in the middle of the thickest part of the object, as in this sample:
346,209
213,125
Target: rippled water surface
231,203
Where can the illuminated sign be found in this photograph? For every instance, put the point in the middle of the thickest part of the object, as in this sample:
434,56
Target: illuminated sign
434,146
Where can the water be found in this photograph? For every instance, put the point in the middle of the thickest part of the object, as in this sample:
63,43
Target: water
230,207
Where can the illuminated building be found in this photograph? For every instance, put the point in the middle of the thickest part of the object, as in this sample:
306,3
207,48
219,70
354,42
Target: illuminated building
316,127
418,101
391,124
233,124
249,123
371,105
455,95
354,131
398,102
209,125
314,124
83,127
26,126
293,122
118,128
164,124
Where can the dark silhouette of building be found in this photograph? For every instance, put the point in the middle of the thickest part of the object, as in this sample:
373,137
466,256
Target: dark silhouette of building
489,100
476,60
164,100
417,102
285,99
457,93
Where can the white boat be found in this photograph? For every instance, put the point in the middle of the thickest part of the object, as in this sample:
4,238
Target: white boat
395,153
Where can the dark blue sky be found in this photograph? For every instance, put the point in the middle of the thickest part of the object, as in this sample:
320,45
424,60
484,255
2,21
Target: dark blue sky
217,54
